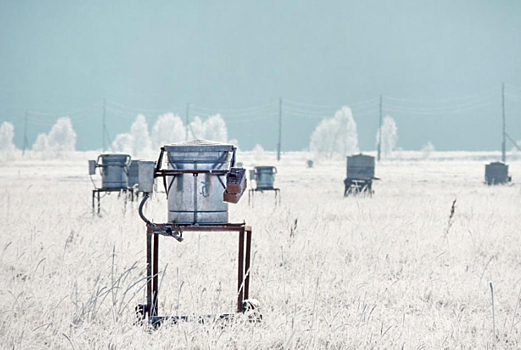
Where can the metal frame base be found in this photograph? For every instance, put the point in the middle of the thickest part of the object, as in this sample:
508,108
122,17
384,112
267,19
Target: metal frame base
251,194
358,186
96,196
150,310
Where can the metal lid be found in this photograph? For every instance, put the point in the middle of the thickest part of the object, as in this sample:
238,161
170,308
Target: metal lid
360,155
114,155
199,145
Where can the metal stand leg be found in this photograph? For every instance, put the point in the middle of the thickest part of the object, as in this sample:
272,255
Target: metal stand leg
247,263
149,272
125,199
155,278
240,276
93,200
152,273
150,310
99,202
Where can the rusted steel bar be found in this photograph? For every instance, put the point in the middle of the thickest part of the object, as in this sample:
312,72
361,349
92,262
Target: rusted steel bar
155,278
240,277
244,259
149,270
169,172
247,263
158,228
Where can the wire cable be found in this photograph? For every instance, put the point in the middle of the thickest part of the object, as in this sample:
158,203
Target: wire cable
455,99
366,102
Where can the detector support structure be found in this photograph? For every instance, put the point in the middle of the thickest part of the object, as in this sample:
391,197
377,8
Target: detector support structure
251,194
121,185
150,310
129,192
358,186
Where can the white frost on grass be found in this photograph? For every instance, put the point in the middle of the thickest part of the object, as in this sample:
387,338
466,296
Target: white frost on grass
329,272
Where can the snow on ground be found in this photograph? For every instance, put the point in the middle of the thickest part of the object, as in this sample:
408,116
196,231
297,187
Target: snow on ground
391,271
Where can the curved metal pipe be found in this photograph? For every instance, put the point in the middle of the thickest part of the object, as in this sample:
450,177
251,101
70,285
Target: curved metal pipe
141,205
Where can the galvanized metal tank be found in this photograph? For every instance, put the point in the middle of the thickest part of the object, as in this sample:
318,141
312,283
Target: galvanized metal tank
496,173
198,199
114,170
133,173
265,176
360,167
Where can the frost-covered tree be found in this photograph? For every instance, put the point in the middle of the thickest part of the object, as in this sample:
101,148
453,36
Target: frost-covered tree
196,129
41,144
62,137
60,140
169,128
6,137
137,142
123,143
215,129
234,142
389,136
258,152
427,150
335,136
141,138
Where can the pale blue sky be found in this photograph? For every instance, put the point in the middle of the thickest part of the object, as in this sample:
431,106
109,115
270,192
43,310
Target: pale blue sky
67,55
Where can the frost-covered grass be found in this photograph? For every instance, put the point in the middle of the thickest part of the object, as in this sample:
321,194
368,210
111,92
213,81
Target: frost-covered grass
385,272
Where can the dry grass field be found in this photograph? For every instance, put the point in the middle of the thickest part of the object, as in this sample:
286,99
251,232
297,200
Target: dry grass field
389,272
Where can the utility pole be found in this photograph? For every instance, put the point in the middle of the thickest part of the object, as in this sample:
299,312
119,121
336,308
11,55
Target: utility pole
503,145
379,146
103,127
187,119
280,129
25,133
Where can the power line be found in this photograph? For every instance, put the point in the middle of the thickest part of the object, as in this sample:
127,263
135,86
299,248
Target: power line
447,112
238,110
279,147
455,99
25,135
471,103
129,109
236,116
379,150
504,144
104,127
366,102
252,119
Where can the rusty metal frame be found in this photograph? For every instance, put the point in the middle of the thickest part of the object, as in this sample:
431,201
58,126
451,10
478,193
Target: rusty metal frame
96,196
358,186
150,310
251,194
